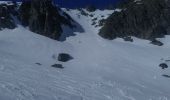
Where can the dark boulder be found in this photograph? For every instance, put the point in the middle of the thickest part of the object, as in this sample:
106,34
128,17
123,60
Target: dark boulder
63,57
156,42
38,64
163,65
146,19
57,66
44,18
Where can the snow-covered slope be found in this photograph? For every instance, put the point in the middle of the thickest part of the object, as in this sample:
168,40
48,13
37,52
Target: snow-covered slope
101,69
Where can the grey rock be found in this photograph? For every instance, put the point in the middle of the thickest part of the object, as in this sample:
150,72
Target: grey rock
156,42
57,66
38,64
63,57
163,65
93,23
83,12
102,22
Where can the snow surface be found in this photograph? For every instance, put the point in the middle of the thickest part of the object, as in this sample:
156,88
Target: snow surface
101,69
6,2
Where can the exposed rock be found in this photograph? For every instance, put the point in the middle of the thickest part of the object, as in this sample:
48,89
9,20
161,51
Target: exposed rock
38,64
44,18
57,66
167,60
128,39
91,15
156,42
167,76
102,16
6,20
101,22
146,19
94,19
91,8
163,65
93,23
63,57
83,12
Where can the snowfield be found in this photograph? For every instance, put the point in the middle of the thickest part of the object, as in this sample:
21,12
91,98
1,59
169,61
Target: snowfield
101,69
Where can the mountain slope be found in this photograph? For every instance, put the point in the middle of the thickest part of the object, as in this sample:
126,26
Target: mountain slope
101,69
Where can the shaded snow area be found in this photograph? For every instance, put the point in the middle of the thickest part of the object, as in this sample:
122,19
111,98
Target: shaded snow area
101,69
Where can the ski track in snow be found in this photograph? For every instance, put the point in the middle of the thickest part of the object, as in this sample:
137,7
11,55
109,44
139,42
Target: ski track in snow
100,70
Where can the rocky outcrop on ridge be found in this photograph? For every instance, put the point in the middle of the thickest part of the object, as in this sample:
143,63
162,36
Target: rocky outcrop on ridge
6,13
146,19
44,18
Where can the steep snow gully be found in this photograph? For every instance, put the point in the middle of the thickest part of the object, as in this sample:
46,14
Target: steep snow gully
101,69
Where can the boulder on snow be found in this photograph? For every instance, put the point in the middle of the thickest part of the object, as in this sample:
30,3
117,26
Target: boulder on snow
38,64
156,42
57,66
102,22
63,57
83,12
163,65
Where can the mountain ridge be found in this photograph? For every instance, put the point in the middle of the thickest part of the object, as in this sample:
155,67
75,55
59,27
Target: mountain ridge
41,16
141,18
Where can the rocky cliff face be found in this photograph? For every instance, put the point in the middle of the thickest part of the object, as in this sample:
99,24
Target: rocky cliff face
41,16
44,18
6,13
147,19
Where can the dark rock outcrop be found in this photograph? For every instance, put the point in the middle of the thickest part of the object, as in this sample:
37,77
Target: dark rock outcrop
91,8
167,76
57,66
146,19
163,65
128,39
38,64
44,18
156,42
63,57
6,12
